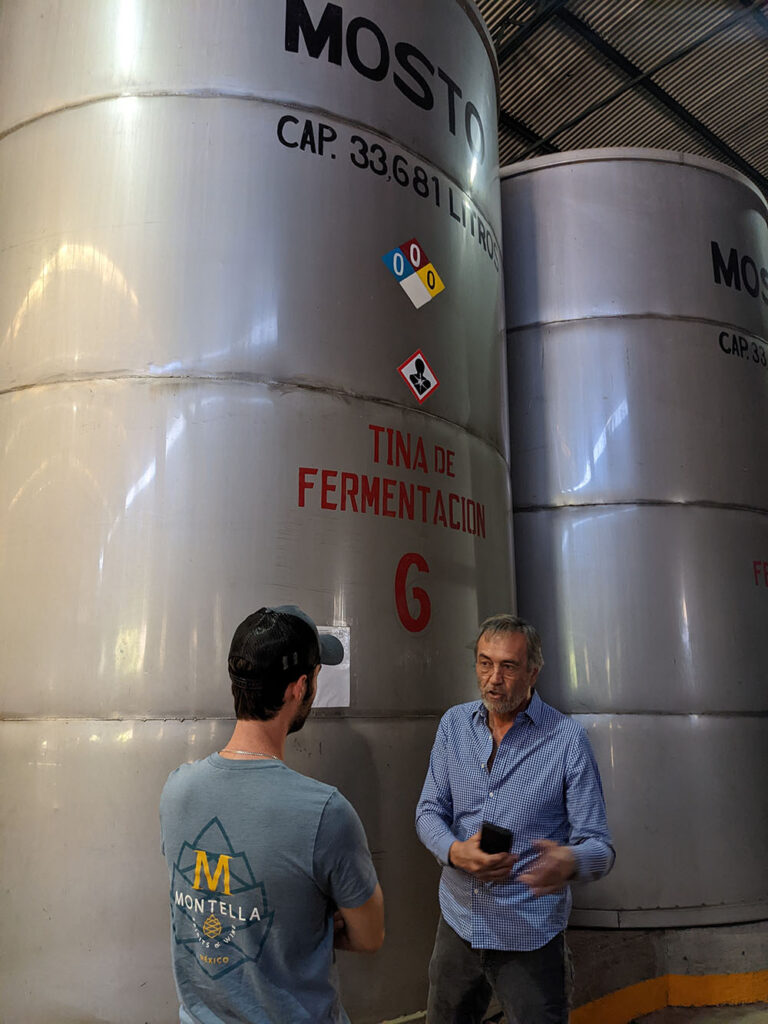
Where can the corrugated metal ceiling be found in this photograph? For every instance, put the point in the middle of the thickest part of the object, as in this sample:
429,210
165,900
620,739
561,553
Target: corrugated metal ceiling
670,74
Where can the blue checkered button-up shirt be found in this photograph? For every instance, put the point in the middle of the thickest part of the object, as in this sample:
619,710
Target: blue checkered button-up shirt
543,784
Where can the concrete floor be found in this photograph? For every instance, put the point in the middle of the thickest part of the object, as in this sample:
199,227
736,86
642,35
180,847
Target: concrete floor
755,1014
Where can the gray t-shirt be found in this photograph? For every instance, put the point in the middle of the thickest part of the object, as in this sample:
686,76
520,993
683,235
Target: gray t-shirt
258,858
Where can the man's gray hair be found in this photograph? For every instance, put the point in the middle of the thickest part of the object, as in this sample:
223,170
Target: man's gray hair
498,625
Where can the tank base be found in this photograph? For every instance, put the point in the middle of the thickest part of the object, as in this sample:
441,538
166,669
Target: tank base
624,974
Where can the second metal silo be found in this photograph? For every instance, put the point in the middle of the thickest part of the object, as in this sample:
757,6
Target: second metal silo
637,314
251,353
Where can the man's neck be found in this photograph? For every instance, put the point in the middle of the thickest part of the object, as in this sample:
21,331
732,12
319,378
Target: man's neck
257,738
501,724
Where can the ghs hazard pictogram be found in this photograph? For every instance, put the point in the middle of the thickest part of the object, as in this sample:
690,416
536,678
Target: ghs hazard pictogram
419,376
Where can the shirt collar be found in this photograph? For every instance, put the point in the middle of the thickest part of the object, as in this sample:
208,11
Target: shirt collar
535,708
533,711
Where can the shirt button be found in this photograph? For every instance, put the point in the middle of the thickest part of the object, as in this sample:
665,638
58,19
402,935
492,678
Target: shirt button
490,794
476,891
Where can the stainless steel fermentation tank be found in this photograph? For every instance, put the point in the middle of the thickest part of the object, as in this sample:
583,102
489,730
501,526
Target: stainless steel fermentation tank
221,388
637,317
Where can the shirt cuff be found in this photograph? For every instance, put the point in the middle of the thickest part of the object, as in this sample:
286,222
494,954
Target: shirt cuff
593,860
442,847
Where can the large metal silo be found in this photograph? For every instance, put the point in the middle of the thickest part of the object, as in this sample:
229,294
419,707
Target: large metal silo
637,317
250,353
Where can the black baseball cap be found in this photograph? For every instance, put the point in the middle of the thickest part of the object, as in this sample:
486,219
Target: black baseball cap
281,641
331,648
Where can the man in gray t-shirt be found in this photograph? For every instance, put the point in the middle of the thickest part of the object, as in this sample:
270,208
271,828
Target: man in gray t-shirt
269,869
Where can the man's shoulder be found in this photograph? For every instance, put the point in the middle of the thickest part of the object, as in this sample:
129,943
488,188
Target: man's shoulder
460,714
275,788
213,767
306,784
186,772
457,722
559,722
334,812
182,784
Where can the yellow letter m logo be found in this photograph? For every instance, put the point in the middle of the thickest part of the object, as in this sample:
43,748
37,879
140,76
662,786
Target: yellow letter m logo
222,865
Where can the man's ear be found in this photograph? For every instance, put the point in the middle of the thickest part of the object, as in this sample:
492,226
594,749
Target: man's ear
298,689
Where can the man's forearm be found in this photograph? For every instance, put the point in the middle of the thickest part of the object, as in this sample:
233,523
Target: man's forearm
435,834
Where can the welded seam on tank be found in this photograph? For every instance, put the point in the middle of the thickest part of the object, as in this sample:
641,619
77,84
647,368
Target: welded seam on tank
340,714
611,317
318,714
655,713
751,907
633,502
247,380
222,94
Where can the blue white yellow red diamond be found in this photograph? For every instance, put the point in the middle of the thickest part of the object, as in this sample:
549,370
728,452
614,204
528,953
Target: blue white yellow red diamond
411,268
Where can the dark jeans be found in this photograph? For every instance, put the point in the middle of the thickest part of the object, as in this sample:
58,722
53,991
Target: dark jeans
532,987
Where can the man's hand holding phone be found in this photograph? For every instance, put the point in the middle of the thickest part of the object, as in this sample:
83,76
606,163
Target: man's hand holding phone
470,856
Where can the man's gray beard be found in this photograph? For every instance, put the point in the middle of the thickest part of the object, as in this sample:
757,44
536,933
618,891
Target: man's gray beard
506,707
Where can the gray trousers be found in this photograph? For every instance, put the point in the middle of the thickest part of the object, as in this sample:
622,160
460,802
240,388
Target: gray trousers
533,987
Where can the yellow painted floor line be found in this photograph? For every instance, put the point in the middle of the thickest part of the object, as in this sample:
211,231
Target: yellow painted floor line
674,990
718,989
623,1006
654,994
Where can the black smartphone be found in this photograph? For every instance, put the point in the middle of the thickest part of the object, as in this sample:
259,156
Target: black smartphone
495,839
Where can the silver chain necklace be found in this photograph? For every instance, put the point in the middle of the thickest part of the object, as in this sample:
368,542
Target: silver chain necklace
251,753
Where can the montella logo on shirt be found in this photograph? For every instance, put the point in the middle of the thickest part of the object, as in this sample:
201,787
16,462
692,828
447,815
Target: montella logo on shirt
220,911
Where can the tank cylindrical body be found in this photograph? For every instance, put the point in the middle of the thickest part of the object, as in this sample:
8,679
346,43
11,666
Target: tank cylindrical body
637,318
219,390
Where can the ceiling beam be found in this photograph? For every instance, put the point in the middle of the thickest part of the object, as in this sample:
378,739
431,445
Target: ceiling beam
526,30
641,80
504,51
758,15
525,133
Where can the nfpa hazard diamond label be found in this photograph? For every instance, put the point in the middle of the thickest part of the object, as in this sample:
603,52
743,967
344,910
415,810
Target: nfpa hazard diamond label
410,266
418,375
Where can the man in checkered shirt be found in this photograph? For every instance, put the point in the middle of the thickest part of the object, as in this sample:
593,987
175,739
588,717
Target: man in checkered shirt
511,760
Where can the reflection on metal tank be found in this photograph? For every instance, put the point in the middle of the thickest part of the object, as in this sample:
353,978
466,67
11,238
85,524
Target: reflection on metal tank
637,316
222,386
